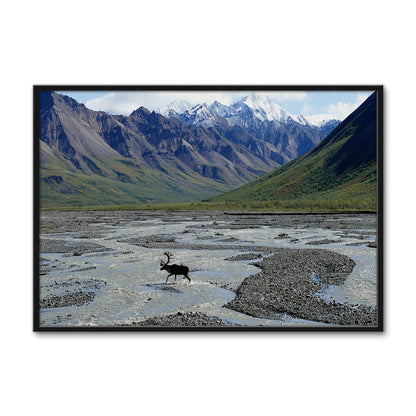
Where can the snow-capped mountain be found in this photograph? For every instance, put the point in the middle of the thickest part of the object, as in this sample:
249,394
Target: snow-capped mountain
320,119
261,108
257,116
219,108
175,108
253,108
201,115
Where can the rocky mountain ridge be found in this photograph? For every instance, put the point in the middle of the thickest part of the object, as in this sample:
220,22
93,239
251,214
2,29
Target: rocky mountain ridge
253,106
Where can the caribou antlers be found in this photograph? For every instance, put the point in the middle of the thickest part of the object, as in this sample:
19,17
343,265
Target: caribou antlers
174,269
168,255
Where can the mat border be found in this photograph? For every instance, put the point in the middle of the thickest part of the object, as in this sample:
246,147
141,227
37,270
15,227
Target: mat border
379,89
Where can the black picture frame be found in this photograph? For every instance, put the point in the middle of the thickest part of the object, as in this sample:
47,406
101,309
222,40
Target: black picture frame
38,89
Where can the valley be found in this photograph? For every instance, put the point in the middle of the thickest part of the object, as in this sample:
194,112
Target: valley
95,158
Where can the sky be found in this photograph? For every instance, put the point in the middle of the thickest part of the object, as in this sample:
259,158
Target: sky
338,104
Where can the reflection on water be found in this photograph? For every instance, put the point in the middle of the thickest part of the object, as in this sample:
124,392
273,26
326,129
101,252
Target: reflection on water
133,288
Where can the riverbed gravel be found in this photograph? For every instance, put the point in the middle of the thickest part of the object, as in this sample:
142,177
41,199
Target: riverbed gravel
289,281
184,320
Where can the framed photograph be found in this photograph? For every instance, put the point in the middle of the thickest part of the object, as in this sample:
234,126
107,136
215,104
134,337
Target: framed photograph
225,208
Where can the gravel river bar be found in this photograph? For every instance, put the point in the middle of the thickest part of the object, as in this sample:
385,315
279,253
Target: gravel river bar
300,256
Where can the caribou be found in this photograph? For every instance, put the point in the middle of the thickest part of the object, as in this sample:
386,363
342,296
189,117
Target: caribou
174,269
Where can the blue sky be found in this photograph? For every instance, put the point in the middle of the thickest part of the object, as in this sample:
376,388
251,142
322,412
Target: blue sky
336,103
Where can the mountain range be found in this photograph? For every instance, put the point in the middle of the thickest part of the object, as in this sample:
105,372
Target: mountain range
340,170
245,112
179,153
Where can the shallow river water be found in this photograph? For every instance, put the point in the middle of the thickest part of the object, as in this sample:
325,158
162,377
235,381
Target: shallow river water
129,287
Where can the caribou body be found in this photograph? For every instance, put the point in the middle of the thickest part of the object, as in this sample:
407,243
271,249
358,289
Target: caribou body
174,269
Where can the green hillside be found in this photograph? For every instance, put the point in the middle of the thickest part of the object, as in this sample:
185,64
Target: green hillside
115,182
339,173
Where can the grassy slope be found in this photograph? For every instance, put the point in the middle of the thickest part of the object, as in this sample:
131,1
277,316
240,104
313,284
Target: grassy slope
119,182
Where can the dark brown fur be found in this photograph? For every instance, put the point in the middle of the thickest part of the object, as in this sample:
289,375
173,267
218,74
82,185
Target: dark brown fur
174,269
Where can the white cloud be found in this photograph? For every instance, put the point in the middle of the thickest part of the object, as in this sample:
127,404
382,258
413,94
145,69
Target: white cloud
343,109
126,102
121,102
287,96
